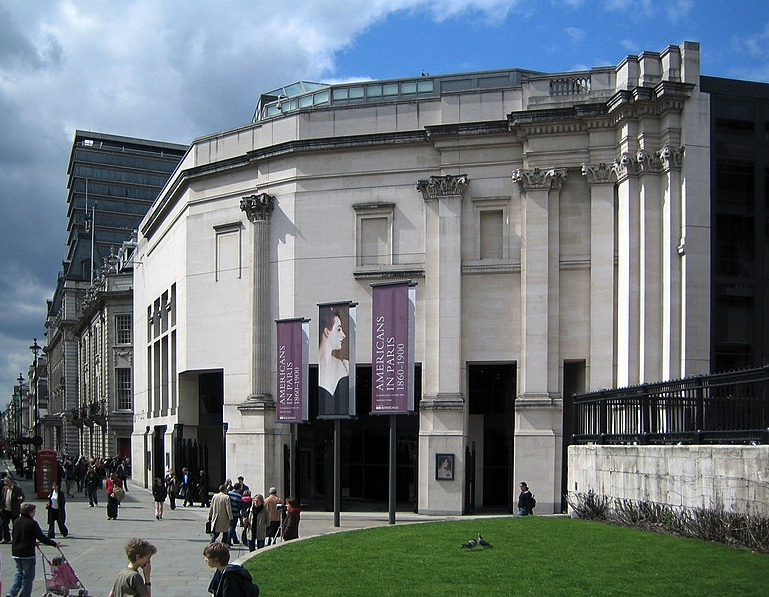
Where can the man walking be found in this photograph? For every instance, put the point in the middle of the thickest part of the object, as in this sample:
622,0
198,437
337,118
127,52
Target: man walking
11,498
26,532
271,503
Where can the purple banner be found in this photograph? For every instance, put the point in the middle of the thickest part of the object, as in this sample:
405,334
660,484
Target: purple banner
392,349
336,360
293,365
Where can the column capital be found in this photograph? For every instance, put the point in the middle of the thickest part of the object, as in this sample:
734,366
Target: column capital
259,207
550,179
602,173
648,162
442,186
671,157
626,165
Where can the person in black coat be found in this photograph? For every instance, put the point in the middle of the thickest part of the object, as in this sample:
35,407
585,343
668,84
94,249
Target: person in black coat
11,498
159,494
26,533
525,501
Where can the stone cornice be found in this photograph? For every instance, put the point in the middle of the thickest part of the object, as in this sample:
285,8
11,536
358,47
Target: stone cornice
550,179
258,208
436,187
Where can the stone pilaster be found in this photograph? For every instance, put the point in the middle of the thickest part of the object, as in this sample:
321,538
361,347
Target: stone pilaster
538,407
626,169
442,421
672,252
539,282
601,178
650,266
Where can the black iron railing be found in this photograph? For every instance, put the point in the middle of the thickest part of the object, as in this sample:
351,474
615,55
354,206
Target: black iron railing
724,408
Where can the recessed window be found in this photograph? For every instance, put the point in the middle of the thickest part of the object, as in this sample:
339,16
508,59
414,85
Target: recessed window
374,233
123,328
491,228
124,390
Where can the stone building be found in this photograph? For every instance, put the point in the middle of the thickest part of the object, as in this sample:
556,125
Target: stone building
112,182
557,228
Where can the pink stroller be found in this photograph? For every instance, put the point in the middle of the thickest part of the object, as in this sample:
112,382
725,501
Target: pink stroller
60,577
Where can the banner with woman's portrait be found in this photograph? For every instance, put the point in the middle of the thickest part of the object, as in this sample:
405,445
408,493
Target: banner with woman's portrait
336,360
392,350
292,404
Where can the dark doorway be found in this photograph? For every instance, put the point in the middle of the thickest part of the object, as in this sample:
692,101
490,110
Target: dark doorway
573,383
158,452
364,452
210,428
491,392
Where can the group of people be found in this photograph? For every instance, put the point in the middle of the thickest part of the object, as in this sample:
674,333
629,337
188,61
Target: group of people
185,487
261,519
21,530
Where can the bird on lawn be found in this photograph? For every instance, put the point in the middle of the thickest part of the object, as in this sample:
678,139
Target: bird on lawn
483,543
470,544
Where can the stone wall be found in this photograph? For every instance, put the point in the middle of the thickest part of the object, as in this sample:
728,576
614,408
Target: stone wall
735,477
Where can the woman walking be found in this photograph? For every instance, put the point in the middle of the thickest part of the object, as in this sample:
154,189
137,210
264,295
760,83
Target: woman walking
57,514
113,500
159,494
91,482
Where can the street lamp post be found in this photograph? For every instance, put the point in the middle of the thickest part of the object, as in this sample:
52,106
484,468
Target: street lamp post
35,348
20,379
37,440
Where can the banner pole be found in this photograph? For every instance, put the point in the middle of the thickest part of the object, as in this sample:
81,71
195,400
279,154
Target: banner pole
393,434
337,470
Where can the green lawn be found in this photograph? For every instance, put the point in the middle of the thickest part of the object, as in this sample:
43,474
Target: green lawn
538,556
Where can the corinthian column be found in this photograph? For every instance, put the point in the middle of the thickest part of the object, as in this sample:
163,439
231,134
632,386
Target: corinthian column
601,178
441,410
258,209
539,282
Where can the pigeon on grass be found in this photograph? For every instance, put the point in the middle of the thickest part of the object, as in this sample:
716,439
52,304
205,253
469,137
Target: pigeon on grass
483,543
469,545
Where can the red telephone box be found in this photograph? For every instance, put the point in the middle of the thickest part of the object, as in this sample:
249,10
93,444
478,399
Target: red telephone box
46,472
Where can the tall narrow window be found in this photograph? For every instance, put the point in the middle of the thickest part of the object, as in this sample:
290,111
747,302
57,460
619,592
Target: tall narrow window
123,328
124,395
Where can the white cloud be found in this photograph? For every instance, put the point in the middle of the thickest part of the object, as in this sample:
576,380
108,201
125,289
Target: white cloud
575,33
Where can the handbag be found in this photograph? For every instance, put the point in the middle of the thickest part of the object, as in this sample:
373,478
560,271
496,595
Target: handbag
208,527
118,493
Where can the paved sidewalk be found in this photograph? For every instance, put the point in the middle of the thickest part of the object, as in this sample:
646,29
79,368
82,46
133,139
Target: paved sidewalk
95,546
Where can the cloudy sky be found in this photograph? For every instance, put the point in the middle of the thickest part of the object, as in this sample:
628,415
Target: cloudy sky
174,70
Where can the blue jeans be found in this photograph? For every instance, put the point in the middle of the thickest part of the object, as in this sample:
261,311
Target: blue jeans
232,534
25,576
523,512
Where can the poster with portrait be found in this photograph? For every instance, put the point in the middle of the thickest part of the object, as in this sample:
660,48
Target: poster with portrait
444,467
293,344
336,360
392,349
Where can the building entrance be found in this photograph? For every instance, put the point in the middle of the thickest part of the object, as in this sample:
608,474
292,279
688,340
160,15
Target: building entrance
491,394
364,453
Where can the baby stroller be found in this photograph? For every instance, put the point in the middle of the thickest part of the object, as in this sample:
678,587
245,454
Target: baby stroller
60,577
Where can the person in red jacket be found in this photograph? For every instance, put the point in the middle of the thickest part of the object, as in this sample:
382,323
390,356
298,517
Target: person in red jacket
112,500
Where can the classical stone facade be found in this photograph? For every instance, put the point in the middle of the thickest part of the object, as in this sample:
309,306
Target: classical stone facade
558,235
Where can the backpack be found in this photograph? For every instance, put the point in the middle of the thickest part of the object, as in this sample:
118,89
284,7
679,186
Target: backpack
247,589
533,502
